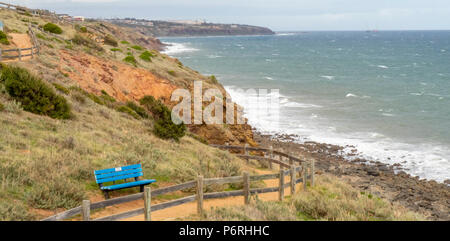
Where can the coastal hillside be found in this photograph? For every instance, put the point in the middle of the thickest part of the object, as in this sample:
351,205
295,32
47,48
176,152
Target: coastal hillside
189,28
99,90
97,95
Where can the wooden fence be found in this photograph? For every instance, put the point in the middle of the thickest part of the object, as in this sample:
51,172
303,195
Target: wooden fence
297,174
22,52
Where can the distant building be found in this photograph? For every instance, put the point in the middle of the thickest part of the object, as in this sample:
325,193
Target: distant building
78,18
189,22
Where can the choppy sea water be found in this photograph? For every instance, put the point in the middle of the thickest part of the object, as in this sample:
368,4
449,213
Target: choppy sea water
386,93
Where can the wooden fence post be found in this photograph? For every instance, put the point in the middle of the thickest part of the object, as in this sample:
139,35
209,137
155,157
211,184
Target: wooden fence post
200,195
313,172
246,188
271,157
20,54
291,162
293,180
86,210
246,152
305,176
281,192
148,203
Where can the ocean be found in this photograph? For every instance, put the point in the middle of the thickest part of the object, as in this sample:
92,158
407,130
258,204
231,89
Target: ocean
385,93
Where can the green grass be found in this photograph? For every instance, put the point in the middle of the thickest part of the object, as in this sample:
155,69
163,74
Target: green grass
330,200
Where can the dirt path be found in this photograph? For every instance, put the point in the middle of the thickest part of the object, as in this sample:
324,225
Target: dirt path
21,41
189,209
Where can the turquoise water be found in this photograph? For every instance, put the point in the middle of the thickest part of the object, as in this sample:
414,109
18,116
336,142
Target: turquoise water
386,93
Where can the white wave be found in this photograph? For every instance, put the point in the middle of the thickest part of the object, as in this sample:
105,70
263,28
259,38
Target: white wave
383,66
388,114
285,34
350,95
214,56
176,48
328,77
417,94
300,105
268,78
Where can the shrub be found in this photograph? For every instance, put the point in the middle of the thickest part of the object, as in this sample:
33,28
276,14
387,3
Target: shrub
124,42
4,38
139,110
137,47
214,79
131,60
172,73
52,28
164,127
2,107
109,40
129,111
34,95
116,50
81,40
83,29
61,88
147,56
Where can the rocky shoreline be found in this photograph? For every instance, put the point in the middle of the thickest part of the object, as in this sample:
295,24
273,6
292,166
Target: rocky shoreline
389,182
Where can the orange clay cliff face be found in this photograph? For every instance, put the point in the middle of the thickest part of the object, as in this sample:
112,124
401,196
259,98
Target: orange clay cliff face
127,83
122,81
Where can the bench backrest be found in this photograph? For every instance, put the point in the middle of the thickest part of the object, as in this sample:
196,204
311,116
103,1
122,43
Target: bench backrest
119,173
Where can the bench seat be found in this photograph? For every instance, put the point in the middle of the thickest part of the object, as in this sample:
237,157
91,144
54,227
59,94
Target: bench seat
127,185
111,175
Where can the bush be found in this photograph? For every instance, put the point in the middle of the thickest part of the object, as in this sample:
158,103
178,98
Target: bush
61,88
172,73
109,40
129,111
124,42
116,50
80,40
137,47
52,28
139,110
34,95
147,56
214,79
131,60
83,29
4,38
164,127
2,107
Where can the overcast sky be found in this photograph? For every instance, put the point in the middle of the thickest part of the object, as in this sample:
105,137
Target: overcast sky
276,14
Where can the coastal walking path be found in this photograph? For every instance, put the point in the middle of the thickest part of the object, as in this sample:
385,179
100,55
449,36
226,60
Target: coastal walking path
21,41
189,209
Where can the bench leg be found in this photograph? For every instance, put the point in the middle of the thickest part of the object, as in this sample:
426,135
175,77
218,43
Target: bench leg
106,194
142,188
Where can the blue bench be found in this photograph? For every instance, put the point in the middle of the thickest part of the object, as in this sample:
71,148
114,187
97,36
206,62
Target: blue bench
121,173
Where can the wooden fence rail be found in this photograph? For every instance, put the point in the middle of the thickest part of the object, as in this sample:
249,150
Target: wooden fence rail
34,50
199,197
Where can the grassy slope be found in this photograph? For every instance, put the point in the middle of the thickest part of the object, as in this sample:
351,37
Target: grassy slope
48,164
329,200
